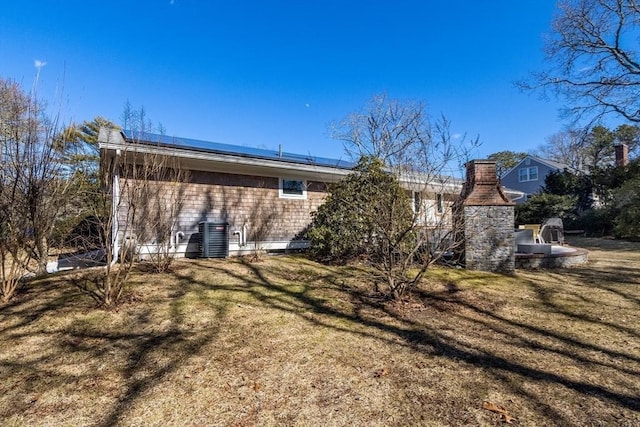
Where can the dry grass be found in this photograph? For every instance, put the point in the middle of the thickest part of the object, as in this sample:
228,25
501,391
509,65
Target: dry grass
291,342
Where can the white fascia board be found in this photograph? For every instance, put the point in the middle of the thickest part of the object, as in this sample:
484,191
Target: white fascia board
513,195
243,165
448,185
229,163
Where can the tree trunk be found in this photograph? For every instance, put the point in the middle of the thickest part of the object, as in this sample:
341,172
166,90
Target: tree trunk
43,255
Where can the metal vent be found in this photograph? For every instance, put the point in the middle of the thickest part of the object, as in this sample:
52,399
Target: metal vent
214,239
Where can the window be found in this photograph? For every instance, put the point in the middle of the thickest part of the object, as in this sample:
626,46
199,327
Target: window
528,174
439,203
293,188
417,202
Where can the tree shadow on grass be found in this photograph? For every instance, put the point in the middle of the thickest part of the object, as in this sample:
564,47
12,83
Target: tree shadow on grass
155,355
150,351
34,300
482,335
619,280
273,288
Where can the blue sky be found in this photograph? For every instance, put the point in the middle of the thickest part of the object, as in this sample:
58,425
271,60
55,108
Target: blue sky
264,73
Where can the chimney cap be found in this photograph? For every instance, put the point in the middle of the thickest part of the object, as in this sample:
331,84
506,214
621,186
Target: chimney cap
482,187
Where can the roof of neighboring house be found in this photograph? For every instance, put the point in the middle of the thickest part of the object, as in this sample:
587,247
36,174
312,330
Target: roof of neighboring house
550,163
216,147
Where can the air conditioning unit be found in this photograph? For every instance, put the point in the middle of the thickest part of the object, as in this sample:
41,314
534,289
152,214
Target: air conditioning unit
214,239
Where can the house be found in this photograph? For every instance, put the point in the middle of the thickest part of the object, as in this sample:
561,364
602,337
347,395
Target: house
244,198
529,175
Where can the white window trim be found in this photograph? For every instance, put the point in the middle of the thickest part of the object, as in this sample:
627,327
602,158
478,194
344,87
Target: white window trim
528,169
282,195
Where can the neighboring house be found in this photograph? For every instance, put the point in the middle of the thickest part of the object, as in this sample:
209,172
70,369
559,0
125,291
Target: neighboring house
258,199
529,175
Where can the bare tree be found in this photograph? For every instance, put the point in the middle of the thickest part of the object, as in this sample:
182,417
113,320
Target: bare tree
403,136
46,190
113,216
402,212
386,129
154,191
136,210
33,187
261,221
586,149
13,107
566,147
593,59
106,285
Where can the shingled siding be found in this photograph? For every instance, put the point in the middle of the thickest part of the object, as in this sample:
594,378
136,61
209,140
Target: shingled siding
244,200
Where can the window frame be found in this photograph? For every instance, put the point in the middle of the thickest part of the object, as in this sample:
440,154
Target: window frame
281,190
528,175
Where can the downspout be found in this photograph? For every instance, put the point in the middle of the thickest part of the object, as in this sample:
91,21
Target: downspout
115,202
175,240
244,235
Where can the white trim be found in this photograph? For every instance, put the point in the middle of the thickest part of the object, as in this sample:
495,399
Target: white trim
244,165
115,217
236,164
251,247
235,248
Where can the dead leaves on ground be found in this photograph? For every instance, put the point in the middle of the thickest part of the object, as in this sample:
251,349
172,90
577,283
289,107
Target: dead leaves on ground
381,373
504,415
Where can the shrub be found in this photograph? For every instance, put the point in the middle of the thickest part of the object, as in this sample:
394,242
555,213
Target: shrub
627,201
595,222
359,212
542,206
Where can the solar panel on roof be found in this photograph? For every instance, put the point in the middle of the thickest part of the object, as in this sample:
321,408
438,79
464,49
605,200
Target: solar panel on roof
236,150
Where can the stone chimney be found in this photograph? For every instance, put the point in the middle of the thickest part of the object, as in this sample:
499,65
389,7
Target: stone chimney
622,155
485,220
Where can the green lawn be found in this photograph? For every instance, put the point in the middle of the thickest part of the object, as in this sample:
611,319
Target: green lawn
288,341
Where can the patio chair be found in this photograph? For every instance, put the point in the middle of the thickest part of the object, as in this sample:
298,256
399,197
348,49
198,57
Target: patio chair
535,228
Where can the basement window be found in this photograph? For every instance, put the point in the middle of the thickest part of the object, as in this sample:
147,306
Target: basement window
293,188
